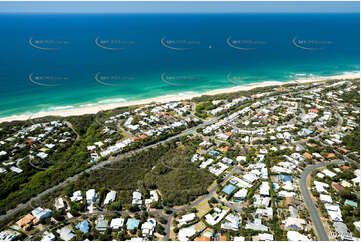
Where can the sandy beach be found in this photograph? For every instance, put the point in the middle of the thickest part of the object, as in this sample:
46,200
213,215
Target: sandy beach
176,97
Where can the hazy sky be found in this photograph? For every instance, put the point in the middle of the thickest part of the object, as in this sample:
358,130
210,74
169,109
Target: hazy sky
179,7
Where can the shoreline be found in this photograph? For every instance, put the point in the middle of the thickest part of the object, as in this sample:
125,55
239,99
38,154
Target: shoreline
172,97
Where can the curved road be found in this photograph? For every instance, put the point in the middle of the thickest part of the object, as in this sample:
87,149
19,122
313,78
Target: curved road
111,160
322,235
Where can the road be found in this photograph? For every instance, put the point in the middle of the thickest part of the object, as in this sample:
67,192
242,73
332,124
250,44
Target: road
102,164
322,235
121,156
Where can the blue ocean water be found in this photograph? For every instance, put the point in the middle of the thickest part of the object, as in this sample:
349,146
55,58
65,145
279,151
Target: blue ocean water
50,62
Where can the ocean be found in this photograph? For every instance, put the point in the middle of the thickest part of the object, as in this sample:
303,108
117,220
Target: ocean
62,61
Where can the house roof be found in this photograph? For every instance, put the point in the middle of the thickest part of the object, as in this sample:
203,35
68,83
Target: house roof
351,203
228,189
83,226
338,187
307,155
132,223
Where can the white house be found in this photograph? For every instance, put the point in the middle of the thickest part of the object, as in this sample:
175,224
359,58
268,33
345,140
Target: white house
137,198
187,218
110,197
231,222
91,195
77,196
241,194
41,213
117,223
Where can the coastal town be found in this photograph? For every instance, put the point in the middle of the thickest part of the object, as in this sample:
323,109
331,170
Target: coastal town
272,163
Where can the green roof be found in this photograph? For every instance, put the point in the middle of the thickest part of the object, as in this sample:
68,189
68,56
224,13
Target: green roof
351,203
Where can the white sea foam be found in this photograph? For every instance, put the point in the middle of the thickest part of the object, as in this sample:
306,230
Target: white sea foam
61,108
113,100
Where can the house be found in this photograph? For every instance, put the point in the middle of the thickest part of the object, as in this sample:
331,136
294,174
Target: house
66,233
185,234
153,198
59,203
16,169
137,198
216,216
307,155
241,158
239,238
148,227
42,155
241,194
337,187
218,168
9,235
256,225
41,213
351,203
222,136
334,212
264,189
296,236
325,198
213,153
293,212
94,157
265,237
206,163
77,196
227,161
91,195
345,183
329,173
228,189
83,226
294,223
117,223
48,236
320,175
27,221
261,201
249,177
232,222
321,186
265,212
187,218
286,194
330,156
110,197
357,225
342,231
101,224
132,224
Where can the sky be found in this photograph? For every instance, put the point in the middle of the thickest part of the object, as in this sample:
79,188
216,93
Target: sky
179,7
